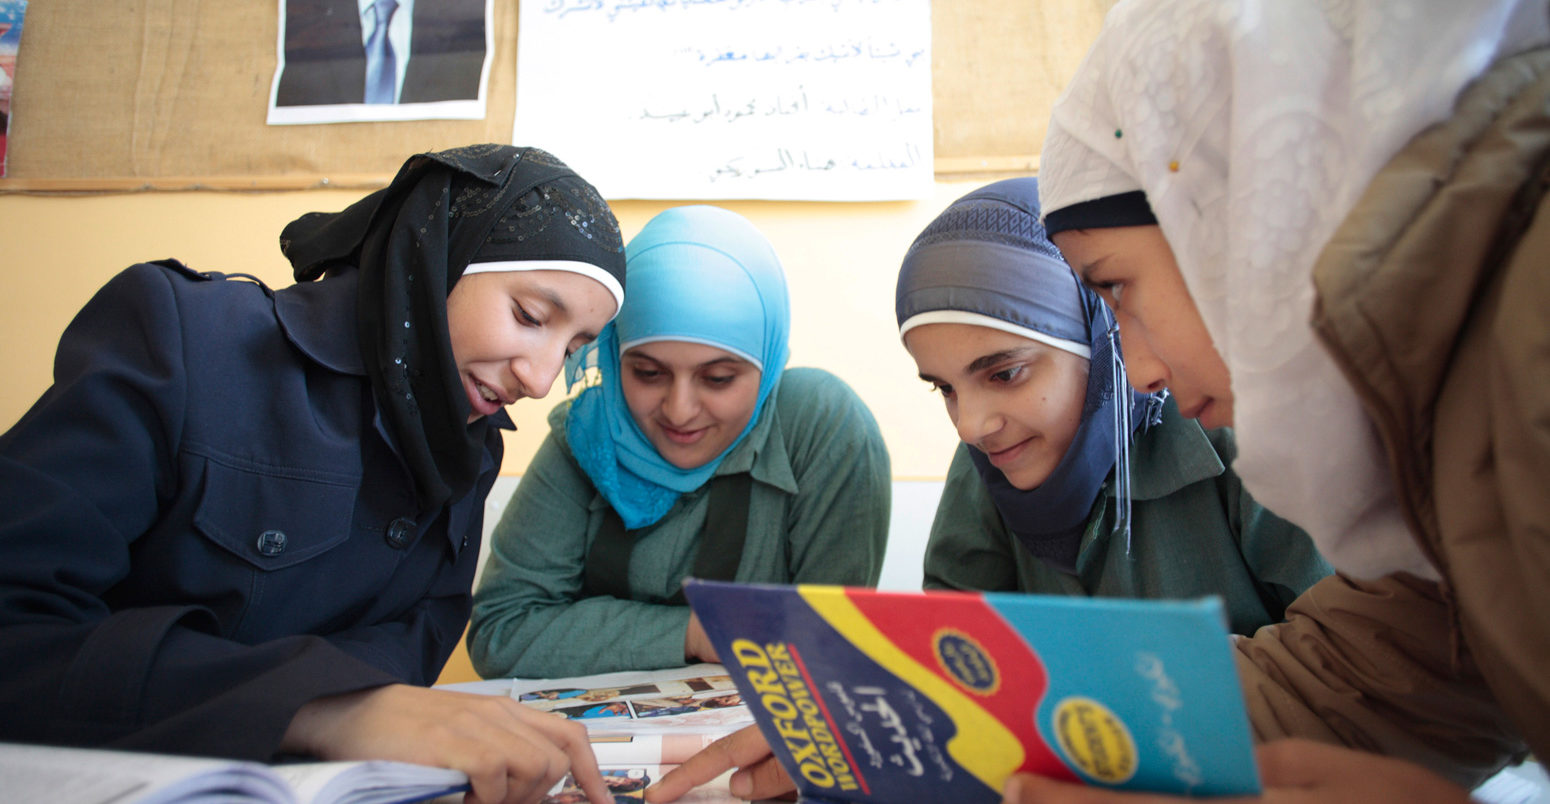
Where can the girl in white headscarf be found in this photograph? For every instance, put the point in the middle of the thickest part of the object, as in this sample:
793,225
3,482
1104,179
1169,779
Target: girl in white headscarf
1242,138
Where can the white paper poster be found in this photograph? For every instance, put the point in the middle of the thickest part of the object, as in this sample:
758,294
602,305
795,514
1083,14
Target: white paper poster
715,99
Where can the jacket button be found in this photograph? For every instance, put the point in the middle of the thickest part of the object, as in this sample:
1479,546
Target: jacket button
400,532
271,542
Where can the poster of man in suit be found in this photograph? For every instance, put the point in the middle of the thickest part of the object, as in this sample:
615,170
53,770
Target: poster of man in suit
349,60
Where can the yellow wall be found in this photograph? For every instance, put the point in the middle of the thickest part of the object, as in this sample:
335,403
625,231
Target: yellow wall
841,261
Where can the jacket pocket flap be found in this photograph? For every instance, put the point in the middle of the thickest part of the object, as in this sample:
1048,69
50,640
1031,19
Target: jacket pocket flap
273,521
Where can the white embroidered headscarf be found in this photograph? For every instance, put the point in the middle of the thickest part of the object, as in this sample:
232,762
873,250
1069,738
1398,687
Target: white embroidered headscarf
1253,126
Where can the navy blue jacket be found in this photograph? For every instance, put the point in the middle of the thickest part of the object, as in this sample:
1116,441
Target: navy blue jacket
204,527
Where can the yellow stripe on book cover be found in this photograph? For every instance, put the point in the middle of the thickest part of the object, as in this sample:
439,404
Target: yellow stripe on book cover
983,746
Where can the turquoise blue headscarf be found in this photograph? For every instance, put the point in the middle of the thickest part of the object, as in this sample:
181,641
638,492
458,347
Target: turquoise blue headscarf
700,274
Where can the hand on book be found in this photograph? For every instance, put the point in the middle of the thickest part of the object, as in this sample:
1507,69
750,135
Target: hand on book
759,776
697,647
511,753
1290,771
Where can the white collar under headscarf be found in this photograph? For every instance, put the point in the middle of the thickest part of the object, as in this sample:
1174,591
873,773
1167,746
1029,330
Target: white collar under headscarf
1253,126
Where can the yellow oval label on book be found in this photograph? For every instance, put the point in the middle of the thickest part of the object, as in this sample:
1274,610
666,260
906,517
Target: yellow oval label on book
966,662
1095,741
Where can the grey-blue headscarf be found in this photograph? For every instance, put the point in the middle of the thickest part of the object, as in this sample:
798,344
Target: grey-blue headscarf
986,260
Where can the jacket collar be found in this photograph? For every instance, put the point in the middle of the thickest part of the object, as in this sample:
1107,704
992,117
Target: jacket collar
309,315
761,455
1174,453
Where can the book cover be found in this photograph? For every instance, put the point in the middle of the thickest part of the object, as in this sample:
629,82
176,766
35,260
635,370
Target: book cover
873,696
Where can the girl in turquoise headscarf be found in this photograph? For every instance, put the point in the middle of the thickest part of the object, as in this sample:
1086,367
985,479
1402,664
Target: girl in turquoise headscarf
691,451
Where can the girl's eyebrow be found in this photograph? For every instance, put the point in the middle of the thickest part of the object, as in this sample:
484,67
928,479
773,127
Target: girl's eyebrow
554,300
983,362
635,355
639,355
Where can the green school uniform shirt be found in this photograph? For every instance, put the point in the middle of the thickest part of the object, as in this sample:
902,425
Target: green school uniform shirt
1194,531
818,513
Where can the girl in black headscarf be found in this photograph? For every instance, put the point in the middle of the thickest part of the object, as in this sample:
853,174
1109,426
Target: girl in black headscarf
496,207
245,521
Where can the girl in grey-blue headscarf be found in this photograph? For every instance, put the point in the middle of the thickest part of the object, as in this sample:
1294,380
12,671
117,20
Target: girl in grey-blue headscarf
1067,480
985,262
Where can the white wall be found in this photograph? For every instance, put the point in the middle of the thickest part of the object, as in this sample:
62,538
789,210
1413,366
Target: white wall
914,505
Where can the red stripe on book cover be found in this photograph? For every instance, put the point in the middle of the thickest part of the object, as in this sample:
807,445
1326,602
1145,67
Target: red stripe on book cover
966,643
855,768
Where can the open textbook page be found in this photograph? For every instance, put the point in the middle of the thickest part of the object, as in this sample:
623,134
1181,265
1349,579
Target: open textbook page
698,699
374,782
95,776
45,773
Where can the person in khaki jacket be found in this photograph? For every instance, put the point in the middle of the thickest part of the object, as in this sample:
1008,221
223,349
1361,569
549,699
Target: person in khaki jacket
1381,174
1336,243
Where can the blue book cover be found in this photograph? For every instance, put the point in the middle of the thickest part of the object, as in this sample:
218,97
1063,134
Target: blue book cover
877,696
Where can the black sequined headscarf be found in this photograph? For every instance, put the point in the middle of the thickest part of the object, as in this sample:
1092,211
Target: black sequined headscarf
411,241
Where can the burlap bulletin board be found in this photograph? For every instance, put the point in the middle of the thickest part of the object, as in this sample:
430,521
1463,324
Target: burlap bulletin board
117,95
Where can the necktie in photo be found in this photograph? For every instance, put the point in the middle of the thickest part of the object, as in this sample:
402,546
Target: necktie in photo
381,65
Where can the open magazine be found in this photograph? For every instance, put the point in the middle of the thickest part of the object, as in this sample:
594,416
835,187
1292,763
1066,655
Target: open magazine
643,724
872,696
96,776
698,699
